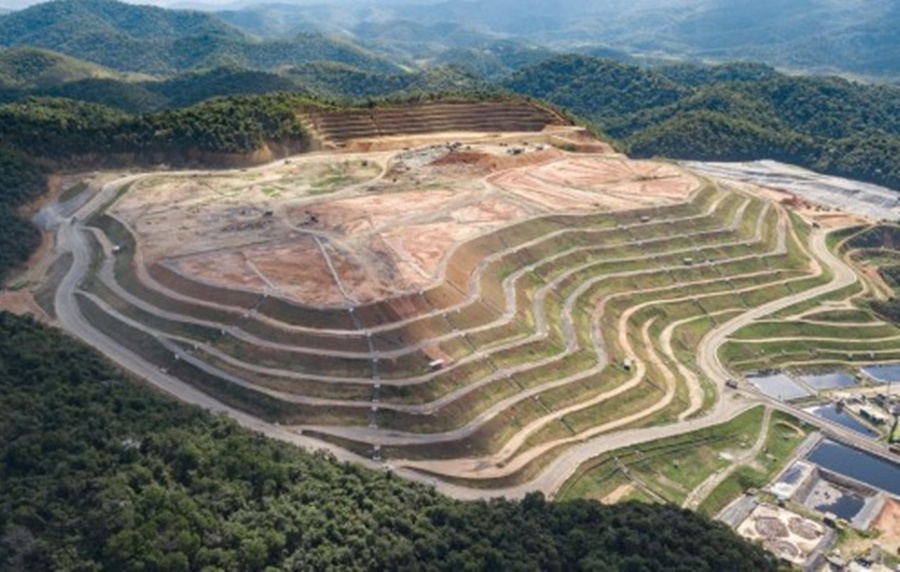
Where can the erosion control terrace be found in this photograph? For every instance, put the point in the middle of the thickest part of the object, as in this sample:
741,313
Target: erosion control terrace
476,292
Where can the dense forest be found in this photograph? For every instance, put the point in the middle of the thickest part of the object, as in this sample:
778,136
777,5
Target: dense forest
21,181
55,128
153,40
729,113
100,473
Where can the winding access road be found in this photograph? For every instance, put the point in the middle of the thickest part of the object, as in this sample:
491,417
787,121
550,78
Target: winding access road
71,236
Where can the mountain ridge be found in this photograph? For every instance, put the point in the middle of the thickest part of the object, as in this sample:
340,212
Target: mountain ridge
154,40
855,38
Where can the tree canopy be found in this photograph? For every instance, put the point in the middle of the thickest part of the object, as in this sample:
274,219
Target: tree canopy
100,473
736,111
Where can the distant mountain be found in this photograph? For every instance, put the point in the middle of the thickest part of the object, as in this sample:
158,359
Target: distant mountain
283,20
386,31
32,68
190,88
491,37
856,35
180,91
153,40
441,34
141,96
496,58
488,54
69,21
853,36
603,52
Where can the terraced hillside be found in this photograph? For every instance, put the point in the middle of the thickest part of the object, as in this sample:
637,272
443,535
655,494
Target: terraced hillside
838,331
341,126
479,312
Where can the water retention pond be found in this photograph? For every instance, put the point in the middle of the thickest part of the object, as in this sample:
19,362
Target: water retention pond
863,467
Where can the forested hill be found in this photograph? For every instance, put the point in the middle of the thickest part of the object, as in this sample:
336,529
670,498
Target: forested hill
56,129
32,68
99,473
729,112
154,40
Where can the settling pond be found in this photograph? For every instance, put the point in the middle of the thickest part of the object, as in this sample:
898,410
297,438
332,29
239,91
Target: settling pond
842,418
779,386
883,373
865,468
826,381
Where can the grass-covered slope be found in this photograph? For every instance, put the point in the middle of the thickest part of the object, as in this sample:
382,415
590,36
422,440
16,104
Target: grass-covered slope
99,473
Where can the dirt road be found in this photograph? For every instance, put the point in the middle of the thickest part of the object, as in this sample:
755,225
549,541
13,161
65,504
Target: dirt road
731,404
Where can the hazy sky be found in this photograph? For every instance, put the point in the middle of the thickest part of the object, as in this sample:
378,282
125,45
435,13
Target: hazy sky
18,4
219,4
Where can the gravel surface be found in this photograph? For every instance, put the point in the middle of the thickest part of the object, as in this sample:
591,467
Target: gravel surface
847,195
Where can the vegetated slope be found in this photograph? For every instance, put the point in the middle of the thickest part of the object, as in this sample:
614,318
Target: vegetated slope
154,40
21,181
101,473
57,129
122,95
595,88
322,79
114,34
335,80
730,112
143,96
194,87
31,68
